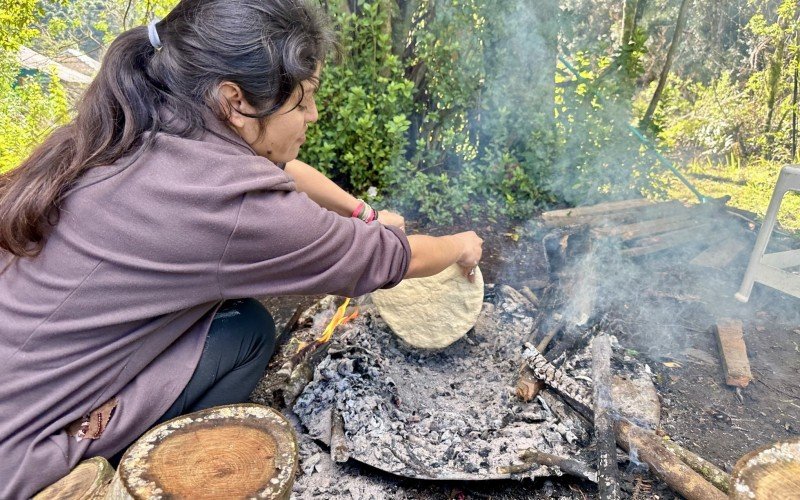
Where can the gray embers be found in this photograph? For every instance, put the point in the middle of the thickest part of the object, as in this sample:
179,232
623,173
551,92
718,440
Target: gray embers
443,415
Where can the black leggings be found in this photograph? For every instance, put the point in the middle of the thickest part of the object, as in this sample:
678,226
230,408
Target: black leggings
238,347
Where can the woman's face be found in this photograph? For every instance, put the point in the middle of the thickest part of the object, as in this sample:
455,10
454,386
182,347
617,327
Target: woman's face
285,130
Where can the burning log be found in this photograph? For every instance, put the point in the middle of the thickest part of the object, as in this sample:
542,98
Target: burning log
89,480
557,379
711,472
534,458
528,386
608,486
577,428
232,451
647,447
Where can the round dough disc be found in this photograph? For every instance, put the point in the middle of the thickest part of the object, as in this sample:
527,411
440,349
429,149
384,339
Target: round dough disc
432,312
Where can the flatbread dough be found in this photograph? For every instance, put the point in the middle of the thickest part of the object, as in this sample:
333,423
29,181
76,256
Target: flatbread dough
432,312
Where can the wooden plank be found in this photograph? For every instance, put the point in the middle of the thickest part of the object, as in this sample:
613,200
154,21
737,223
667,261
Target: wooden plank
720,254
599,209
643,212
733,352
667,240
647,228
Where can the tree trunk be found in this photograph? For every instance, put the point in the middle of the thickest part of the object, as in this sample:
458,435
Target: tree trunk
231,451
775,70
680,25
88,481
628,22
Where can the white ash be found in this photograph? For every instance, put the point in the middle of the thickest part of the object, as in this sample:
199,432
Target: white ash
321,477
444,415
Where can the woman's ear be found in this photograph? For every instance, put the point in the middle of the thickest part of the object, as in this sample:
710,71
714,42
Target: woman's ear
234,104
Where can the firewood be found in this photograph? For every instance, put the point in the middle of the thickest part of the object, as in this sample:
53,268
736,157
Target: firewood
669,468
528,386
733,352
607,483
88,481
558,380
769,472
232,451
711,472
534,458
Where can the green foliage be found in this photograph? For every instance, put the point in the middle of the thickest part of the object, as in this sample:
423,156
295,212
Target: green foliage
364,104
29,110
482,131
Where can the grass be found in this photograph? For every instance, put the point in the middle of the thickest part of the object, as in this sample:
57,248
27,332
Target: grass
750,186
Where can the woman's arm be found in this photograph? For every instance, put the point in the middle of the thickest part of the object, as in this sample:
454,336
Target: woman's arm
319,188
328,194
431,255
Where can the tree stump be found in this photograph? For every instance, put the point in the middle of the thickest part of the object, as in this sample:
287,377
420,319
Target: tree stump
88,481
769,472
235,451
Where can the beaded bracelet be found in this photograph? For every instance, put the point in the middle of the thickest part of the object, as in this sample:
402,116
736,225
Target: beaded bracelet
365,212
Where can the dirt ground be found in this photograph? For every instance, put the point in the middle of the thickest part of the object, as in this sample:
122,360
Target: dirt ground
672,331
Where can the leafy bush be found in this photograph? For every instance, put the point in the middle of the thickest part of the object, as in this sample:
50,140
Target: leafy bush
364,104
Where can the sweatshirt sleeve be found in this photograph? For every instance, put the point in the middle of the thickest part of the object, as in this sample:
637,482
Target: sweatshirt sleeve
283,243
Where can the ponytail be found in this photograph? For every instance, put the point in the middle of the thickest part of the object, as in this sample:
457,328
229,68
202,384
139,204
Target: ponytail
204,44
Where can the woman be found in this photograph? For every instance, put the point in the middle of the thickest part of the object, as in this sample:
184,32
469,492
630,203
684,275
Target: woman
128,235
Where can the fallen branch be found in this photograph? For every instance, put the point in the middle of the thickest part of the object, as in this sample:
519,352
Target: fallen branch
648,448
711,472
534,458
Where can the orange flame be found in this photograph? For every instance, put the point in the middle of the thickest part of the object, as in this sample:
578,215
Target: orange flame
338,319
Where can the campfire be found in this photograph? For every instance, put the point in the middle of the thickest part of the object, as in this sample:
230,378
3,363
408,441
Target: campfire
549,381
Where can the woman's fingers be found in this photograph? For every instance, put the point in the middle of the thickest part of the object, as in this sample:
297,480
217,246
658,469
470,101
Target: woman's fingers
388,218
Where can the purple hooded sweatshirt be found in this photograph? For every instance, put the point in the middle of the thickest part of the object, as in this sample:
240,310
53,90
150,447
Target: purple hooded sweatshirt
120,300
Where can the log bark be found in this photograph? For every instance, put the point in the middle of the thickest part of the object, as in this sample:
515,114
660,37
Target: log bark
648,448
88,481
607,483
231,451
711,472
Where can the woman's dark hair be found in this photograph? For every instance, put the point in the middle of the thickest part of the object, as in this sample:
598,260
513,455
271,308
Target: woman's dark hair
267,47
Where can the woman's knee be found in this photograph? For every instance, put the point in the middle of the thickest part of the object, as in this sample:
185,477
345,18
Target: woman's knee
248,323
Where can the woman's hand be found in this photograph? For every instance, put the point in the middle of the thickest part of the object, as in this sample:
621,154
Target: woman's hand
471,252
388,218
